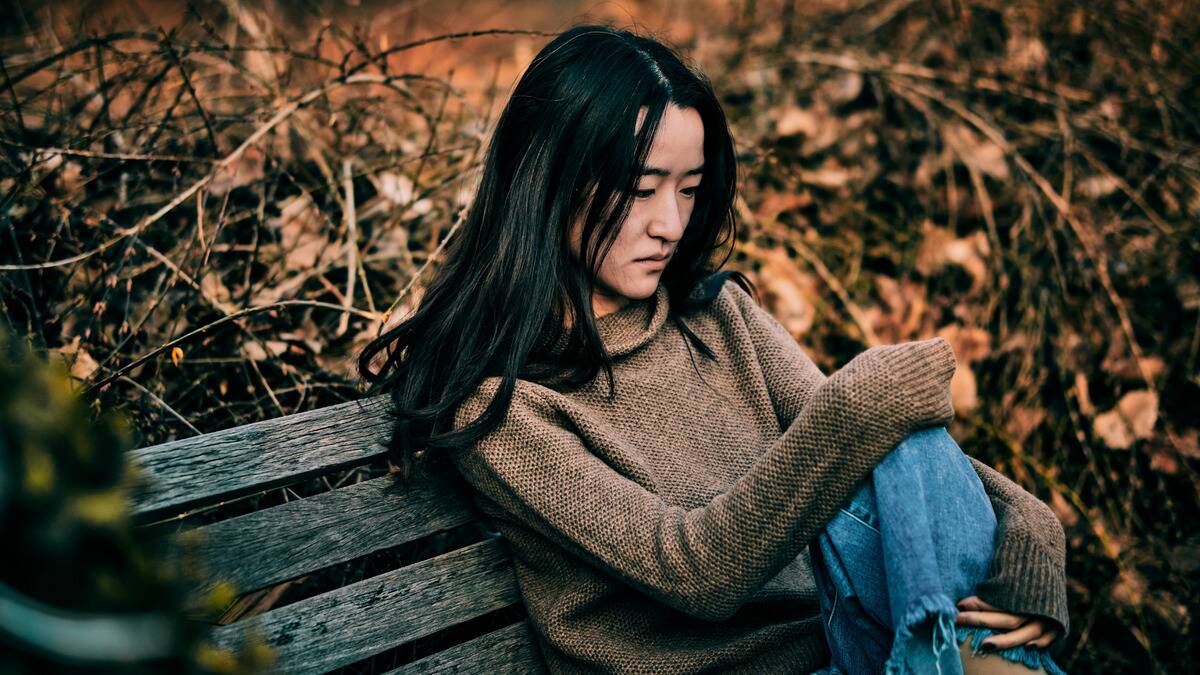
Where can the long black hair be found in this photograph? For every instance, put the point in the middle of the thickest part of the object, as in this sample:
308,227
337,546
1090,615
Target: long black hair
563,148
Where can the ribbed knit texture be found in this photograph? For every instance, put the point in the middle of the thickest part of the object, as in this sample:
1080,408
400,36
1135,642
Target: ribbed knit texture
667,530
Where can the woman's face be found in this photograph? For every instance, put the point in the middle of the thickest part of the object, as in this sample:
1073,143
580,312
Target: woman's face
666,192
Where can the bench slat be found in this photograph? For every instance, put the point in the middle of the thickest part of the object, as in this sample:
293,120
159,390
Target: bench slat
365,618
286,541
508,650
259,456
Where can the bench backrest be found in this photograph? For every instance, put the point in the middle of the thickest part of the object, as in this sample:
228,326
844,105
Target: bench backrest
265,548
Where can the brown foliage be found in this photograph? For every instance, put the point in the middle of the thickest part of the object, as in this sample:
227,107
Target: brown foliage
221,214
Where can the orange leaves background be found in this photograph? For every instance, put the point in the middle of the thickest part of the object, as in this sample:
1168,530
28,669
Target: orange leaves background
1022,179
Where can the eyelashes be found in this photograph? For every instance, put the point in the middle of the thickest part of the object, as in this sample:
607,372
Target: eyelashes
646,194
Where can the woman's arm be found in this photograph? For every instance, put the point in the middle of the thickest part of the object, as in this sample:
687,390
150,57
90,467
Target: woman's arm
1028,569
707,561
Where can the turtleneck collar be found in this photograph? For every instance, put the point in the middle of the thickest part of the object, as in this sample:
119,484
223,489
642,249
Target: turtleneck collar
631,326
635,324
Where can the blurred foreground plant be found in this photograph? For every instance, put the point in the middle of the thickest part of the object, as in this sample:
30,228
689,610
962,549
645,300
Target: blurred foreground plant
208,222
81,588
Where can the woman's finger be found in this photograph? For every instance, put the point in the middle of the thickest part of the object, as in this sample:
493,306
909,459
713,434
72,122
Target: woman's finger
1045,640
974,602
1030,631
1001,620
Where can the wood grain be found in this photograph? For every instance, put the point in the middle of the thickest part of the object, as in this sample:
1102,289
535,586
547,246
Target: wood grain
506,651
258,456
354,622
289,540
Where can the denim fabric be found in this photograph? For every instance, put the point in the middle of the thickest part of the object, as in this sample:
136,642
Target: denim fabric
913,540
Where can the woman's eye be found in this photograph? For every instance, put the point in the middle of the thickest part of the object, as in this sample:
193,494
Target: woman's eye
646,194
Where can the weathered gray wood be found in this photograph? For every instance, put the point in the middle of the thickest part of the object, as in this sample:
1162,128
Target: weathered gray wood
505,651
259,456
285,541
292,539
351,623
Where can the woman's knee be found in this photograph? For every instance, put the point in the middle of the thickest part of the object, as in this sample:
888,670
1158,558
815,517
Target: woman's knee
934,457
935,441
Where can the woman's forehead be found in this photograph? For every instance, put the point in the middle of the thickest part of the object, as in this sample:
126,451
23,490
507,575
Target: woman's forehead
678,146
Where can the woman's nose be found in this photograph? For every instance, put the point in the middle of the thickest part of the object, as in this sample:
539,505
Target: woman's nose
669,220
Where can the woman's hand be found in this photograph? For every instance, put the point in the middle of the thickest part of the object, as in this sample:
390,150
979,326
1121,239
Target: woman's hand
1022,629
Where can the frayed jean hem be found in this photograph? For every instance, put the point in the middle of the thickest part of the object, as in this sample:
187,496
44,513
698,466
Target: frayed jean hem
1032,657
916,536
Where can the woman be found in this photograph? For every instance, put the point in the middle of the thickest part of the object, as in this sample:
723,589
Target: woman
660,516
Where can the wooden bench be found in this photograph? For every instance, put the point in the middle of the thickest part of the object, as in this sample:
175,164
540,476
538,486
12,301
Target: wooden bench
266,548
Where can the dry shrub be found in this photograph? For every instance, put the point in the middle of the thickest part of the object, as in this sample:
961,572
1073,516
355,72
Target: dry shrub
208,222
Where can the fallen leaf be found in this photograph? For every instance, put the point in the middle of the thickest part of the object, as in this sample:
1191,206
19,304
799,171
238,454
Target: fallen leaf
970,343
1025,53
70,181
246,169
84,365
939,247
830,175
1118,363
789,294
793,120
213,288
964,391
1168,608
819,128
309,334
1111,107
79,362
1094,187
1188,290
261,352
1140,410
397,188
302,234
254,351
1153,366
1112,430
1063,509
1023,420
842,88
972,149
906,314
773,204
1189,443
418,208
1163,462
1130,589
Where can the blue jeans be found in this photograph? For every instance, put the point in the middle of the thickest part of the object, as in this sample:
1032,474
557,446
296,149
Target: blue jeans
914,539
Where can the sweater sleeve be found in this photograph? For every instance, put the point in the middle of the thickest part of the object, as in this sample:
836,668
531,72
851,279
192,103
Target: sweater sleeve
1028,570
707,561
1028,573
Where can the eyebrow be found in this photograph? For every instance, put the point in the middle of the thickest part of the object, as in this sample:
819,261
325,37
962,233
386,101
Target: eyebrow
655,171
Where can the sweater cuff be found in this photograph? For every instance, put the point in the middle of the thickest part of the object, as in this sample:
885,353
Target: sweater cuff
921,372
1025,579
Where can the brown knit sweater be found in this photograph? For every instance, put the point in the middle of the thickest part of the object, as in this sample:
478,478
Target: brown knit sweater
667,530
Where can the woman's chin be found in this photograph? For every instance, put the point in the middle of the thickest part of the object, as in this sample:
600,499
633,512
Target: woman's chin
642,288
